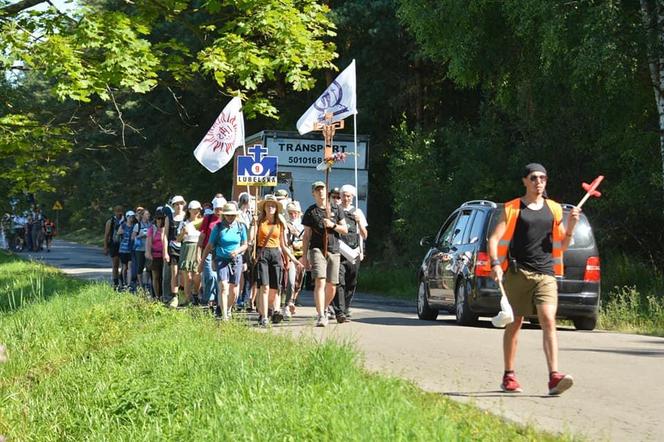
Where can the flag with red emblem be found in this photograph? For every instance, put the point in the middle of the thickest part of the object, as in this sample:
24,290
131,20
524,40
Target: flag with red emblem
218,146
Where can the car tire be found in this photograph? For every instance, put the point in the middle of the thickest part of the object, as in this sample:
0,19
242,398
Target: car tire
464,315
424,311
585,323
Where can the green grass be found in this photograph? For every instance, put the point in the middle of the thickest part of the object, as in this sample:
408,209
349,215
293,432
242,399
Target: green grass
94,237
87,363
392,282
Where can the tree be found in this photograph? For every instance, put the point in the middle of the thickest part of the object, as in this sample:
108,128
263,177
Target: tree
108,52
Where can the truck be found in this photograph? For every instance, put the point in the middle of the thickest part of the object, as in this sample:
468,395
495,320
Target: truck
297,158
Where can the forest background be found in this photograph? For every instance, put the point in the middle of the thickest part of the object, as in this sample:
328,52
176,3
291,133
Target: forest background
104,104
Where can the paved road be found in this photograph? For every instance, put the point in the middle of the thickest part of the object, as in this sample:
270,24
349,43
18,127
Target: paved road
618,394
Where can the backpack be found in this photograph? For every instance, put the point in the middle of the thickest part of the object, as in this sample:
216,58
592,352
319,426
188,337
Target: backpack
352,238
115,225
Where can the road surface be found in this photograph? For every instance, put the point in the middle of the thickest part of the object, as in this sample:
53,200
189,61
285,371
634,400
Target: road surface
618,393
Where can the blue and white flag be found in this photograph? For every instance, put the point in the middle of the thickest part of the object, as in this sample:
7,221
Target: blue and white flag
339,98
217,148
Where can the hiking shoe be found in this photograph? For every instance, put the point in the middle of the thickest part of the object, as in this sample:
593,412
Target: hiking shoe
330,313
286,313
341,318
321,321
559,382
263,323
277,317
510,384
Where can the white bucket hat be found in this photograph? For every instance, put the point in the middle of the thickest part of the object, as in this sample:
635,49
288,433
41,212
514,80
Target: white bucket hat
348,188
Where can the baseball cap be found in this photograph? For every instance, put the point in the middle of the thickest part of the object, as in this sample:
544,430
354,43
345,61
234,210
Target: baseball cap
129,213
317,184
281,193
177,199
193,204
218,202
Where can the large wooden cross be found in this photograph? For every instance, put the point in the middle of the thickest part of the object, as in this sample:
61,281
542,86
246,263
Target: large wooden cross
328,128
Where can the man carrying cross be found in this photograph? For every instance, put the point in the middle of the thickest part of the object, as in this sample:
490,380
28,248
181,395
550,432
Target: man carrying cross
526,250
321,244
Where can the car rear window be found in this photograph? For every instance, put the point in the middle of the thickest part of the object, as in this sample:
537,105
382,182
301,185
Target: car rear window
583,233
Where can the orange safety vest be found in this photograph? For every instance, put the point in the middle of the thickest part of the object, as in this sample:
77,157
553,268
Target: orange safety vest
512,209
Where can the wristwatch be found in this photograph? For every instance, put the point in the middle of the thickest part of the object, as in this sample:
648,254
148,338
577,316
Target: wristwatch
495,262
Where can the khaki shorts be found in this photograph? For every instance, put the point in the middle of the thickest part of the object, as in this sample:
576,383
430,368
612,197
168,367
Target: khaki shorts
526,289
322,267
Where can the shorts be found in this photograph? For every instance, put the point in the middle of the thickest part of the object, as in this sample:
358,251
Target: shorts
322,267
157,265
140,260
526,289
125,258
114,249
174,257
269,268
229,271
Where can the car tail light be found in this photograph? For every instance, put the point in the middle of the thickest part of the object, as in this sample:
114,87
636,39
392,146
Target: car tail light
592,273
482,264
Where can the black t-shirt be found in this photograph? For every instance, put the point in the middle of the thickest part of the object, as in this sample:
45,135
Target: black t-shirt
352,238
313,218
532,245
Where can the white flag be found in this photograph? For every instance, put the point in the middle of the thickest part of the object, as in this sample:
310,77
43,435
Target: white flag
339,98
217,148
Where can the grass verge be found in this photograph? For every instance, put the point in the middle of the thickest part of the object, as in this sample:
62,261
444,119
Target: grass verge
87,363
84,235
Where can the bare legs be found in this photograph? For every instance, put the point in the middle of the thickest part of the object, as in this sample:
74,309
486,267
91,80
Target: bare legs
547,319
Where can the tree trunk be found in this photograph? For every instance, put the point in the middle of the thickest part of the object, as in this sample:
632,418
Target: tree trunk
653,21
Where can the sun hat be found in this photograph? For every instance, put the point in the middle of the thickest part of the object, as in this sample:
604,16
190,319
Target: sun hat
316,185
229,209
129,213
349,188
218,202
193,204
178,199
294,207
268,199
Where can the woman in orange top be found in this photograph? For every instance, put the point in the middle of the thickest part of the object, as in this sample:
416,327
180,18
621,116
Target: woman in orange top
271,244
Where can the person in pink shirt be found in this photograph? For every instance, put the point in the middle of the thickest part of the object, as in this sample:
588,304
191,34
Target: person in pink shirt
154,251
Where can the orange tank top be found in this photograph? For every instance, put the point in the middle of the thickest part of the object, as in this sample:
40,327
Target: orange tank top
273,241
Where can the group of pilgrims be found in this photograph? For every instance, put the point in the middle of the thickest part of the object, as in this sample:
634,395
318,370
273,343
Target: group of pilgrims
243,255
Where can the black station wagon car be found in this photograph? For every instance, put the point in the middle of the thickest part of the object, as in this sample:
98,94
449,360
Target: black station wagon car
455,274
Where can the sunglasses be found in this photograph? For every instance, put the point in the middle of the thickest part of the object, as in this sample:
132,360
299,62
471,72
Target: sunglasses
534,178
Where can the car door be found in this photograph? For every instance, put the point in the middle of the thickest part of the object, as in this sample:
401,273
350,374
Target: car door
454,249
439,258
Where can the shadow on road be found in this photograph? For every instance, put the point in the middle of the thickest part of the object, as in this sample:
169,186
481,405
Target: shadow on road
622,351
493,393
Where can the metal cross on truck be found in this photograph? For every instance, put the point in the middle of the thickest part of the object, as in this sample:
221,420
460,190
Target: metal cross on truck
328,128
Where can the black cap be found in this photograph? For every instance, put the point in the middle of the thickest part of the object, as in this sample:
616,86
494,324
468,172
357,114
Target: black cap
533,167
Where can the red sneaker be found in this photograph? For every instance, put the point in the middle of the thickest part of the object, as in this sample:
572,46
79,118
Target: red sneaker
510,384
560,382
